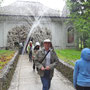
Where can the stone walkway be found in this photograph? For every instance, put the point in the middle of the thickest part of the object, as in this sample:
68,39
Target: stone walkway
26,79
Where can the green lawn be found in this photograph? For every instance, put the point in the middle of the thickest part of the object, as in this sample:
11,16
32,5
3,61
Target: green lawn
5,57
68,55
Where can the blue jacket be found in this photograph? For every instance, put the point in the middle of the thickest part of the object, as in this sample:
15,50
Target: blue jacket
81,75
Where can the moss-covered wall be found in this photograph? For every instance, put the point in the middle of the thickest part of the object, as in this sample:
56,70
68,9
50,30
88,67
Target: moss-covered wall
7,73
65,69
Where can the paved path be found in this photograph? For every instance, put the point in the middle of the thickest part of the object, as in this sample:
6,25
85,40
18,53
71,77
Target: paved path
26,79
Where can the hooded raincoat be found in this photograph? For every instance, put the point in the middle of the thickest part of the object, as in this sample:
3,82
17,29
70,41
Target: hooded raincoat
81,75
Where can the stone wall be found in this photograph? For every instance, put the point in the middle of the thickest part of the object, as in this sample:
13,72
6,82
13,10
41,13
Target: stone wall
40,34
16,35
7,73
65,69
19,34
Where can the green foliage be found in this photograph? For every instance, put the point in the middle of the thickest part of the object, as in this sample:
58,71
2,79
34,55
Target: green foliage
6,52
5,57
80,16
88,42
69,55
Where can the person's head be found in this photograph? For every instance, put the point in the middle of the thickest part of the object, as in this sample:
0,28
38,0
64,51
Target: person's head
85,54
30,43
47,44
37,46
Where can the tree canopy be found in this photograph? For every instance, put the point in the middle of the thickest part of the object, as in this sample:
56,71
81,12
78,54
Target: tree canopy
80,16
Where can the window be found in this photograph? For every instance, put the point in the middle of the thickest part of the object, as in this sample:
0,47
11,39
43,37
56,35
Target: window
70,35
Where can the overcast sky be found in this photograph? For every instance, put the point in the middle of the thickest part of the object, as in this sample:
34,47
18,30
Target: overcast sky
55,4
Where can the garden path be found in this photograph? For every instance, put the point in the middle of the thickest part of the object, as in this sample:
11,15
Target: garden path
25,78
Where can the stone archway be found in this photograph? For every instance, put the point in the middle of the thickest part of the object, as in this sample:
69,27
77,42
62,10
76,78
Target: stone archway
19,34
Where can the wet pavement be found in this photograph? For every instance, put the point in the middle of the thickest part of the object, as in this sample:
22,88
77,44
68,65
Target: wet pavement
25,78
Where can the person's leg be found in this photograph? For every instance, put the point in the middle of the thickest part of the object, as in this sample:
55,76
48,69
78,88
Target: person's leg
33,66
47,75
49,83
37,68
31,55
45,83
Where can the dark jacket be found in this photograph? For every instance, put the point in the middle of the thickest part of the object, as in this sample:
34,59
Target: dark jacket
39,63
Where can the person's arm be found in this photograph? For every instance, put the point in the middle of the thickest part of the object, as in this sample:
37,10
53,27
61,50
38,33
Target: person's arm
28,48
56,60
75,74
33,54
37,63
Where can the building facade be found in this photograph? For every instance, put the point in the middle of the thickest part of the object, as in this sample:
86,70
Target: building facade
26,13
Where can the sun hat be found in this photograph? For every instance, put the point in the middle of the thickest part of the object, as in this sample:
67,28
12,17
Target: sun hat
47,40
30,42
37,43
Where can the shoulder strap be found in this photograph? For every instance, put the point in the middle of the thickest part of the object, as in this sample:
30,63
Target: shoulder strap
45,56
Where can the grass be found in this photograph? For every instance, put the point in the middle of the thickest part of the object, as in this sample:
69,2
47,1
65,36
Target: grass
69,55
5,57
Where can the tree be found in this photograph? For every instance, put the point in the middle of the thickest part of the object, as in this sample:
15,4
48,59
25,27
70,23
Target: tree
80,16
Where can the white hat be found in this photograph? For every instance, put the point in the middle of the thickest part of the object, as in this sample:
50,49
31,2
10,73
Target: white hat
47,40
30,42
21,44
37,43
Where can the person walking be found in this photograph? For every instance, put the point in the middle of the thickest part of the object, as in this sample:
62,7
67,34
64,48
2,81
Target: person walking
20,47
46,60
29,50
35,50
81,75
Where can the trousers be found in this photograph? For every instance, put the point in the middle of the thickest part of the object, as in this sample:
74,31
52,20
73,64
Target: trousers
82,88
30,55
46,80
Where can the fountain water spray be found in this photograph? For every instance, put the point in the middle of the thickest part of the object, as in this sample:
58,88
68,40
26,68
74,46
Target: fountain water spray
35,24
